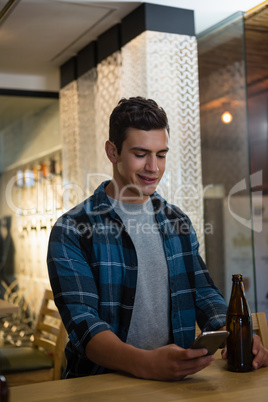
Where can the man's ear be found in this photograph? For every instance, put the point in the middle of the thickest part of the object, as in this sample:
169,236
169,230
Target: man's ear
111,151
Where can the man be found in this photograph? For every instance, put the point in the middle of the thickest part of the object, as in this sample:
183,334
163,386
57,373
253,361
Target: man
124,264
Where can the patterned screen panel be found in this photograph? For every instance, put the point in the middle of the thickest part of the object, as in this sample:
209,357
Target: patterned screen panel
164,67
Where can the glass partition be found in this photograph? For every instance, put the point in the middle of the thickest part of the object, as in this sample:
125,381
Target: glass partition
256,38
225,155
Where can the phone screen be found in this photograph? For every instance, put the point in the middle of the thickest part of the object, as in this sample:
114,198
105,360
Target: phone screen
210,340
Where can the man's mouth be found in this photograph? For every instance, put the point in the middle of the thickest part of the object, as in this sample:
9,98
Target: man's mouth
148,180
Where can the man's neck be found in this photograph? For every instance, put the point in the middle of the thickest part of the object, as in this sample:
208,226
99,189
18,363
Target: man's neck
113,191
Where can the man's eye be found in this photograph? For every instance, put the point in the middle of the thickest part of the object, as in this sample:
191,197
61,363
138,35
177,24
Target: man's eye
161,156
140,155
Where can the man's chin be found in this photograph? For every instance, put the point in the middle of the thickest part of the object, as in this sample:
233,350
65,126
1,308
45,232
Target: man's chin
148,190
137,192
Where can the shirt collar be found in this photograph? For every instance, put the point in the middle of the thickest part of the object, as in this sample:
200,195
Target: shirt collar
102,203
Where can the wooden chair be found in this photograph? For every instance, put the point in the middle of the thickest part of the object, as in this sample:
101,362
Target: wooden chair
43,360
260,327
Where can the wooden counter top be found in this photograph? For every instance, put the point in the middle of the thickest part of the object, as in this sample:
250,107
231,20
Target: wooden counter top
214,383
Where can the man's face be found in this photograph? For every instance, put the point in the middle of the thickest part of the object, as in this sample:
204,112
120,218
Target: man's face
141,164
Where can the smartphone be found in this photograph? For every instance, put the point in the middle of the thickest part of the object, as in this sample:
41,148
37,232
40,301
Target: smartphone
210,340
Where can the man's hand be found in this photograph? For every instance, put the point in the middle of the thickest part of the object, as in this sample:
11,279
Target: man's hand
165,363
260,353
258,350
174,363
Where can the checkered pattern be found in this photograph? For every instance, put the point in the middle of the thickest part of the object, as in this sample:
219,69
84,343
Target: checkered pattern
93,271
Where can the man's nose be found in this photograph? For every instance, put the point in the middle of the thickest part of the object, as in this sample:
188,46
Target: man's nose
152,164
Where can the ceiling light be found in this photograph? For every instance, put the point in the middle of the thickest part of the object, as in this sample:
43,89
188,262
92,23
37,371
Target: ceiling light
226,117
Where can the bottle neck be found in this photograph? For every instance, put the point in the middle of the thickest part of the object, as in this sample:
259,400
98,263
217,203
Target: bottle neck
238,302
238,287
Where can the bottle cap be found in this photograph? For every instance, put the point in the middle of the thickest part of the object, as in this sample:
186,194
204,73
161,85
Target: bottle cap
238,277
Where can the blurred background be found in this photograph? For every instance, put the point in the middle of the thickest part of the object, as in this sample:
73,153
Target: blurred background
63,67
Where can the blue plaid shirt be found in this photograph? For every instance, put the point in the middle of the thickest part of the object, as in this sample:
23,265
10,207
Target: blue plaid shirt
93,268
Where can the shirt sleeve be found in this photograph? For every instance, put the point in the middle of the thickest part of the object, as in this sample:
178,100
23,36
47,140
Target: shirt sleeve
73,284
211,307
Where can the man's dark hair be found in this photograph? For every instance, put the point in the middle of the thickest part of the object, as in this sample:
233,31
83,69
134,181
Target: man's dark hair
136,112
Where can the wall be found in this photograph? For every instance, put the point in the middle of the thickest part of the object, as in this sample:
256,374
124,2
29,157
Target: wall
28,207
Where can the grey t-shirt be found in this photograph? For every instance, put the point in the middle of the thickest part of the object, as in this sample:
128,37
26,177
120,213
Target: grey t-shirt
150,322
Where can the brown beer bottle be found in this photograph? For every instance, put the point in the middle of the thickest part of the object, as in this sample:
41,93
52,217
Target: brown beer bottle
239,324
